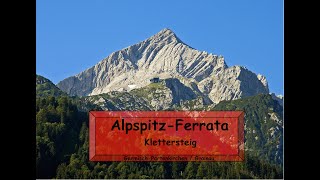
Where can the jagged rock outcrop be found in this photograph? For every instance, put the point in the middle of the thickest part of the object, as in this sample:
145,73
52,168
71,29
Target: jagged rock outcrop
165,56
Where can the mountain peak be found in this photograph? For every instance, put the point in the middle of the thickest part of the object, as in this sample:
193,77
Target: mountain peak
165,56
166,31
166,34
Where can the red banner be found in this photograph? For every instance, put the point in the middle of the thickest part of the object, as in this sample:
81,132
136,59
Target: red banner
166,136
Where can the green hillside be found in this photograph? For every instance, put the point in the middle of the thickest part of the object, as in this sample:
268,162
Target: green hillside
44,88
62,137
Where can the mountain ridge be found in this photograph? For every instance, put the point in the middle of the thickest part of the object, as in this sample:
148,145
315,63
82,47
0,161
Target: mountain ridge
165,56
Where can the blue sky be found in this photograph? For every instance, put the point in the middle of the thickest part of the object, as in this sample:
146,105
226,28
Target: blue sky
74,35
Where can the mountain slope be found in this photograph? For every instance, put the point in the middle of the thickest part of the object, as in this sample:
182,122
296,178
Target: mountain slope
164,95
263,125
44,87
165,56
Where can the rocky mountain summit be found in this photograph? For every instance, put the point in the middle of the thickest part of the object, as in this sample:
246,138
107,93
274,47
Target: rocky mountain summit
165,56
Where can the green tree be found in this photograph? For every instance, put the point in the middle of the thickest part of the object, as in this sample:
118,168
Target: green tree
190,171
202,171
176,169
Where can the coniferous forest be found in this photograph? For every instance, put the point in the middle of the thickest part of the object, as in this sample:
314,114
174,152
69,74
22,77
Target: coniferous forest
62,144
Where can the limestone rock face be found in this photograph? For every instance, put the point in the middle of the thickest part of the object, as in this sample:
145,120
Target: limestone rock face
232,83
165,56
